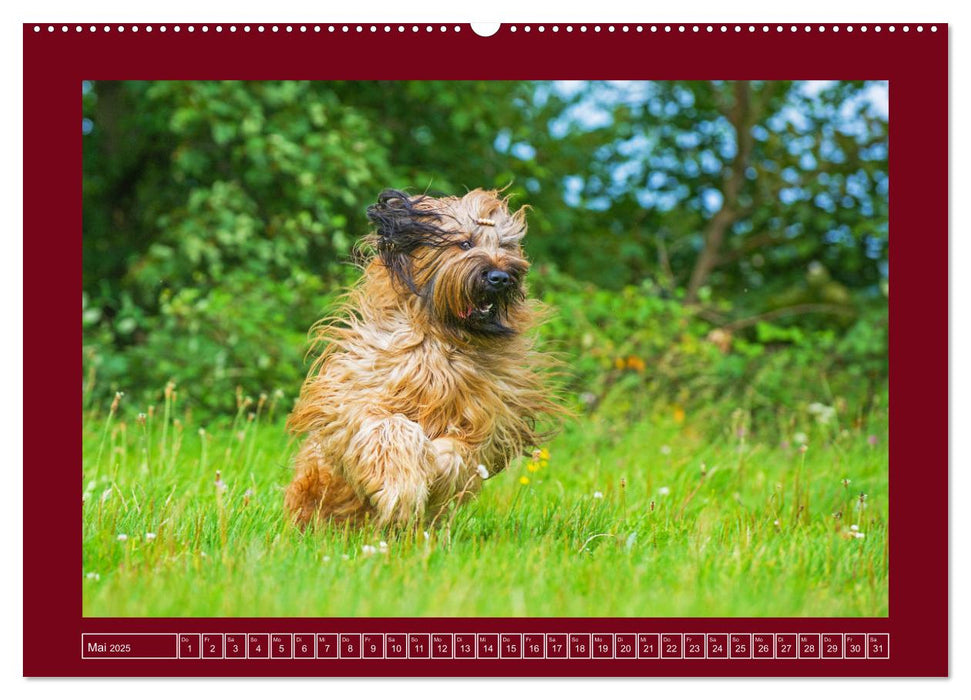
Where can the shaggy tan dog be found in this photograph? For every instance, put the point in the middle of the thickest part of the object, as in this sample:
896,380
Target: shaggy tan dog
428,381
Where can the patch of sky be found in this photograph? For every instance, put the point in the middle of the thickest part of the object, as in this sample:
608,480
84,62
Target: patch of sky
876,151
687,139
523,151
636,146
685,97
790,175
883,185
857,184
601,203
710,164
711,200
798,144
646,198
830,152
839,235
873,247
668,200
877,95
791,195
760,133
627,171
824,201
742,227
807,161
596,111
572,190
569,88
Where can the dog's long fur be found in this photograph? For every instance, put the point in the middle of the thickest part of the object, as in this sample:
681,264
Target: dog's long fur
426,371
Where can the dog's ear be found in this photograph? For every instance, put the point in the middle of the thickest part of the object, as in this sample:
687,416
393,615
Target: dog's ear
402,224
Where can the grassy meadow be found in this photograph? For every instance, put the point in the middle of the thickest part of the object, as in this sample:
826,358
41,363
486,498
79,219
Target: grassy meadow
653,513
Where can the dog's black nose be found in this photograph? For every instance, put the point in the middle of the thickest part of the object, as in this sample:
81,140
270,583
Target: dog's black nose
498,279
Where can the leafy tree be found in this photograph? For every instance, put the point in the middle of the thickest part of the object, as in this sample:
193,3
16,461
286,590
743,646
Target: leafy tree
726,190
220,217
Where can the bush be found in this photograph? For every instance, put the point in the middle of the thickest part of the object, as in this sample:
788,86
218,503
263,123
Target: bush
635,352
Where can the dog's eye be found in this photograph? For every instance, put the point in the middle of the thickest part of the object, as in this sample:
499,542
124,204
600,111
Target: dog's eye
467,244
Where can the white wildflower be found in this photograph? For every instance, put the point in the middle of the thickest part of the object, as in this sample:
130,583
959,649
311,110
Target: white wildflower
369,550
800,438
664,491
122,537
824,414
383,546
92,576
149,536
597,494
665,449
483,472
855,528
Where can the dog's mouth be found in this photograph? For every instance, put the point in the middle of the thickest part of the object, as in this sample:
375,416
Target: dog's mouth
485,311
488,314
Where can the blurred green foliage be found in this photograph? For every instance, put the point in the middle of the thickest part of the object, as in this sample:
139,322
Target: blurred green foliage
698,240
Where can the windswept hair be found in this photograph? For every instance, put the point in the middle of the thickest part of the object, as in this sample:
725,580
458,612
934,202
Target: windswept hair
402,224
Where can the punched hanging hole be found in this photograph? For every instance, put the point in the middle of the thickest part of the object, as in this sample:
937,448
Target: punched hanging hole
486,28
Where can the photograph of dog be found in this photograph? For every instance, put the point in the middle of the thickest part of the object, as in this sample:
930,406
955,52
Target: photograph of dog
429,381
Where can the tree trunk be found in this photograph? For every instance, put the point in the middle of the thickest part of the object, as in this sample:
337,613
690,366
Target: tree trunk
741,119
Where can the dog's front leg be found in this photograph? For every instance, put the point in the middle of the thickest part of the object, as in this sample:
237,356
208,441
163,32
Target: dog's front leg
456,473
389,462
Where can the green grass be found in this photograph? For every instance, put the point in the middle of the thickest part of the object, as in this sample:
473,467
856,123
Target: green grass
620,521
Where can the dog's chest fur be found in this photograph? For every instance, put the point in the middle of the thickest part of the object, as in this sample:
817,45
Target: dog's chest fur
450,389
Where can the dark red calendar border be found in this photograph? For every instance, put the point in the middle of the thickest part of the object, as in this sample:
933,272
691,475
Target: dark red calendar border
915,63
